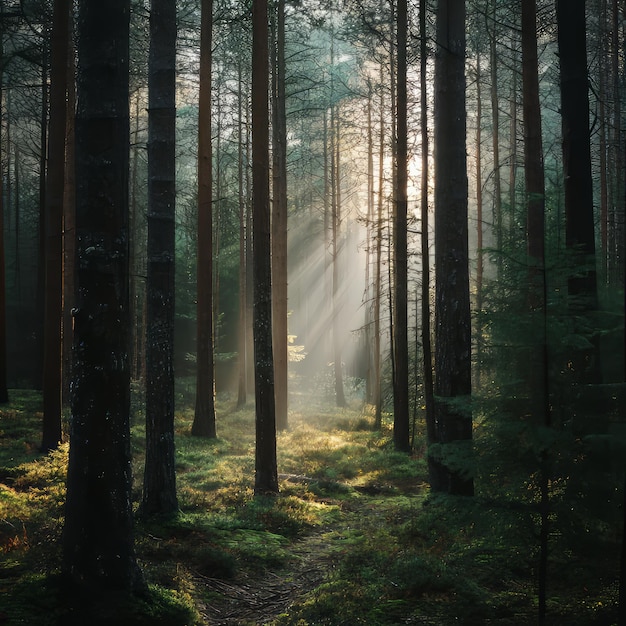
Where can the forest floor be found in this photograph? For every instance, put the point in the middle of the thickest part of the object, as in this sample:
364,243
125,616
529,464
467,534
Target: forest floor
353,538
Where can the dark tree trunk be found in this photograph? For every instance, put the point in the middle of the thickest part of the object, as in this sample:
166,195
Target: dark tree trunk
69,221
533,153
242,344
159,484
479,220
4,394
40,294
621,610
279,220
579,220
55,183
579,217
429,398
452,307
266,472
400,307
537,365
98,550
204,417
495,134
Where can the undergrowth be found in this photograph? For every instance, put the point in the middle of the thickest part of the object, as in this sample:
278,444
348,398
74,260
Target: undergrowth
351,510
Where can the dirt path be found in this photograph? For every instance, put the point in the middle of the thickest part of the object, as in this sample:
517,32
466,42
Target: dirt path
252,600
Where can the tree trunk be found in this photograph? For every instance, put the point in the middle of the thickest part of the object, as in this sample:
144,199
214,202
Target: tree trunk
279,220
513,140
40,294
616,233
579,220
4,394
429,398
242,344
98,550
452,306
136,293
369,317
537,291
602,148
479,220
340,398
400,308
579,217
55,180
69,221
378,277
204,417
159,484
266,472
495,134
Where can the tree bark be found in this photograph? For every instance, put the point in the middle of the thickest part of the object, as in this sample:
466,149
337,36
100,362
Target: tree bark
159,484
579,212
495,134
279,221
400,292
204,416
340,398
242,344
429,398
4,393
579,218
479,219
98,550
55,179
266,472
537,365
69,221
452,307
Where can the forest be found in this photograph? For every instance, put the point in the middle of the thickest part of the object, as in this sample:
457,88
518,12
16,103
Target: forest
312,312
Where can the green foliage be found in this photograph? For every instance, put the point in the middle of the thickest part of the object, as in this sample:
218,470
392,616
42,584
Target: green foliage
353,537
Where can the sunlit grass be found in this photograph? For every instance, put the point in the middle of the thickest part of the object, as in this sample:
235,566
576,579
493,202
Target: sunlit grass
350,508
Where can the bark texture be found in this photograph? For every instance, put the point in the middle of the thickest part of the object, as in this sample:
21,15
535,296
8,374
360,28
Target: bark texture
98,546
452,306
159,486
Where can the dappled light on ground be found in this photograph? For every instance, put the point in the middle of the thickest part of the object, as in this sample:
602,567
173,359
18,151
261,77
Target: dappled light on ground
353,537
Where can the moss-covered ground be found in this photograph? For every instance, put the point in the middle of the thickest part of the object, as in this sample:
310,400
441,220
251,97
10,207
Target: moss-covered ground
353,538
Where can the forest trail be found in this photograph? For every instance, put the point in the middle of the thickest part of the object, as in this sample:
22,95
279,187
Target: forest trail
256,598
252,600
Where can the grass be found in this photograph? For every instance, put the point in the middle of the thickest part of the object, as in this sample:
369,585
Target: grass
353,538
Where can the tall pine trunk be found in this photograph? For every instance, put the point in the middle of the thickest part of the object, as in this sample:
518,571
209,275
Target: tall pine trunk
69,222
55,183
537,365
400,295
429,398
279,219
453,381
266,472
579,214
159,484
242,344
98,548
204,416
4,394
